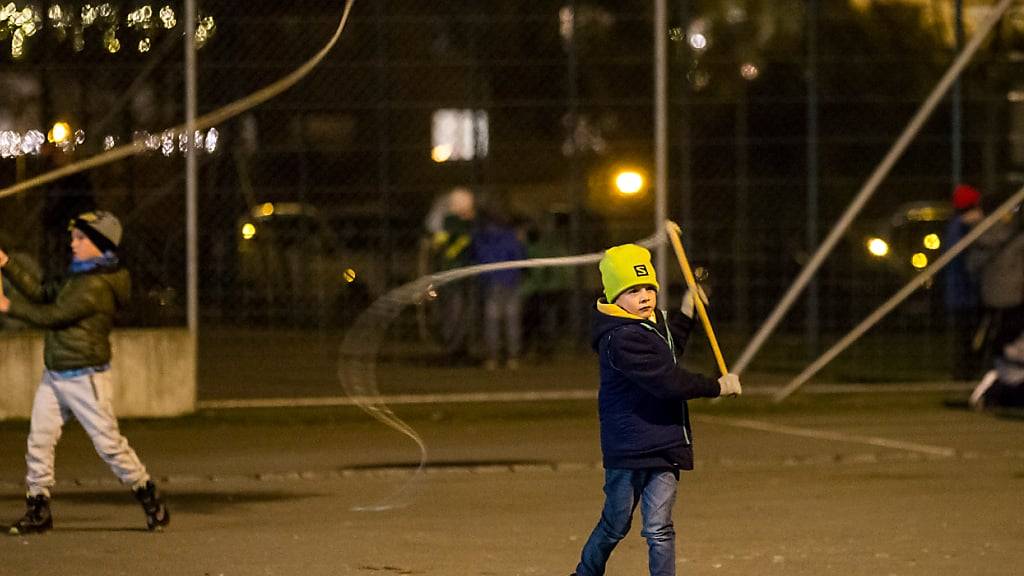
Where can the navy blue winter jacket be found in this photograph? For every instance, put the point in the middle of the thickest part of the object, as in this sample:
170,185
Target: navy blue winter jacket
642,400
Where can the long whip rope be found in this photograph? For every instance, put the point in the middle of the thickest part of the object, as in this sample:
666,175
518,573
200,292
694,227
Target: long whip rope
357,361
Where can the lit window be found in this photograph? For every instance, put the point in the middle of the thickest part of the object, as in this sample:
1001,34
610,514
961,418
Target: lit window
459,134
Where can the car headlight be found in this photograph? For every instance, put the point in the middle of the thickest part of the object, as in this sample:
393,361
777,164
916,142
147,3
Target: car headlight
878,247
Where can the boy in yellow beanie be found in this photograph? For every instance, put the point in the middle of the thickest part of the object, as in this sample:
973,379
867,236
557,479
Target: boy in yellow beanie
646,437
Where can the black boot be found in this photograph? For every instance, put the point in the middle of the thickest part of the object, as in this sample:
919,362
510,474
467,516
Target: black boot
157,515
37,518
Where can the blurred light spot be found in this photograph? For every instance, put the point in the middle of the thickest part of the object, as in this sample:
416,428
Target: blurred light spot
59,133
167,143
205,30
698,34
167,17
212,137
88,15
267,209
932,242
629,182
698,42
248,231
749,71
144,45
878,247
441,153
566,16
112,44
32,142
919,260
349,275
17,44
109,142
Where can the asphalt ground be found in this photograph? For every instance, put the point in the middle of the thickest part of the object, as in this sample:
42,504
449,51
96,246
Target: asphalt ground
897,483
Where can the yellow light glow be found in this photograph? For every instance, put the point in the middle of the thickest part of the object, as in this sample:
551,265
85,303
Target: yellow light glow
878,247
441,153
349,275
919,260
248,231
267,209
932,242
60,133
629,182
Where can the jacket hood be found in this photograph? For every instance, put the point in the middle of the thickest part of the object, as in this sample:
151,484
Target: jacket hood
120,283
607,317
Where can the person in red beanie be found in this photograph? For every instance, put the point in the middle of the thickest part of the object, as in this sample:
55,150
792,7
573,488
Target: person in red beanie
961,295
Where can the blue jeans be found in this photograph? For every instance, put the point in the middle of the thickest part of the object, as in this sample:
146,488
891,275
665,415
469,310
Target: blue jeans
655,491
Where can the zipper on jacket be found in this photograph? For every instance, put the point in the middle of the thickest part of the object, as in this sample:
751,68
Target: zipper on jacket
669,340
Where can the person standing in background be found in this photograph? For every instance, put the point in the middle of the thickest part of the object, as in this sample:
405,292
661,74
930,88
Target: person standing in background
961,295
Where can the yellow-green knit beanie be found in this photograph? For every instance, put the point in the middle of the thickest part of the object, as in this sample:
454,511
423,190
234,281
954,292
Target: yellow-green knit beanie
624,267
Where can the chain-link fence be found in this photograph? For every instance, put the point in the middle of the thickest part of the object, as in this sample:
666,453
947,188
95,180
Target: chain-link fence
321,200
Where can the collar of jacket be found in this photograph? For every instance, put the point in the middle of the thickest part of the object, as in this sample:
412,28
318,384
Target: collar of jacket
618,312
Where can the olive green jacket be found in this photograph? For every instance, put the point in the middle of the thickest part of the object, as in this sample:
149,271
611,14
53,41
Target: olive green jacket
77,313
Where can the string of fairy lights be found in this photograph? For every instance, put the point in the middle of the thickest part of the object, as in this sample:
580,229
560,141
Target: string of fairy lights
22,23
62,137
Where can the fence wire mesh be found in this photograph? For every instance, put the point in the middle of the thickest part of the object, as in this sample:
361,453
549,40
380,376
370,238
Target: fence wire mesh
321,200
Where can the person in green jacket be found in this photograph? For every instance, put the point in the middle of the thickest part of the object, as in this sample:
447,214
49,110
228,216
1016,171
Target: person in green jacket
78,315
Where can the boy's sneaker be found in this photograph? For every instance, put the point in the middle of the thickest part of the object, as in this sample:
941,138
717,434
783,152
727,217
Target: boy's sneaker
37,518
157,515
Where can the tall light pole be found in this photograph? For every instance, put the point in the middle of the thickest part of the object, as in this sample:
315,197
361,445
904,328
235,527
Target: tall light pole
661,133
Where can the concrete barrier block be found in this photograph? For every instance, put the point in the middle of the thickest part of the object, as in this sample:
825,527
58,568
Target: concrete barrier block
154,372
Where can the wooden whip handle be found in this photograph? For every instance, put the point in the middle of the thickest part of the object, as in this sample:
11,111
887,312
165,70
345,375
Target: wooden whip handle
673,234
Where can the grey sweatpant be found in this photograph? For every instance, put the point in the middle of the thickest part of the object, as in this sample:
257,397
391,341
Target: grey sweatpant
87,398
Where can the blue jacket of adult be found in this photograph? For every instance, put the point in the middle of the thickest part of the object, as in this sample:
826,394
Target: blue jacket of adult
645,423
961,287
496,243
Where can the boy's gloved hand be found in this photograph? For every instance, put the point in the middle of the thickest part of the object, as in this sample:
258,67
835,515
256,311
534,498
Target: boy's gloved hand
730,385
687,306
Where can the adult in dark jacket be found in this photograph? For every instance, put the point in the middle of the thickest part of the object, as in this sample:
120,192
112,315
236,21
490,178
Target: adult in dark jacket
452,246
646,437
493,242
78,316
962,299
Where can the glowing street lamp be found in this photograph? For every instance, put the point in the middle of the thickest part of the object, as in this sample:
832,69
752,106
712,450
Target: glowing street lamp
629,182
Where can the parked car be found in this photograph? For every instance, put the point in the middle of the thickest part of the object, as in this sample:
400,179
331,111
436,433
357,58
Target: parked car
909,239
292,269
